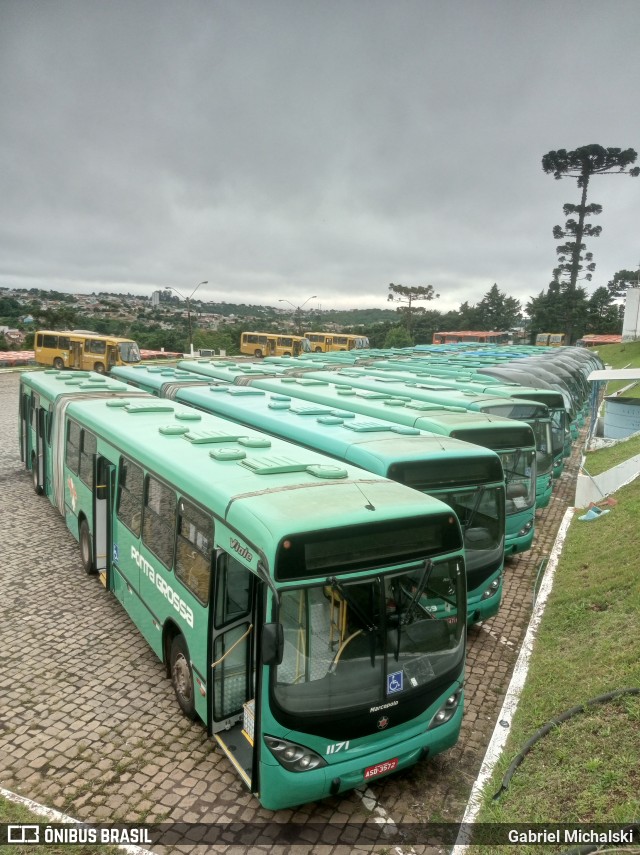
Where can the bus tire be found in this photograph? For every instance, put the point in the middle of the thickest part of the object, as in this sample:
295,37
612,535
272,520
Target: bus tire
318,349
286,353
257,353
58,363
86,555
182,676
98,367
37,487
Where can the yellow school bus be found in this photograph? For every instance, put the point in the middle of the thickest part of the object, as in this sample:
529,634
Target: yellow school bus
84,350
272,344
323,342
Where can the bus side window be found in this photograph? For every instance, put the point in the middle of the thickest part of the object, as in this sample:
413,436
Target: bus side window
35,403
159,520
88,447
73,446
130,490
193,550
233,590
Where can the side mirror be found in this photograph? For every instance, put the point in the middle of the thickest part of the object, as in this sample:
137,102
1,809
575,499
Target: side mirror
272,643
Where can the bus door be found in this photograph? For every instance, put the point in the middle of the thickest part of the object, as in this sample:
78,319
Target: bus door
232,663
39,461
271,346
24,428
75,354
104,476
112,356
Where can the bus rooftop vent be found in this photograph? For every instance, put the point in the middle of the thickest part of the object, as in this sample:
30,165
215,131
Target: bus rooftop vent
173,430
238,390
330,420
137,408
216,437
310,410
224,454
282,465
117,402
186,416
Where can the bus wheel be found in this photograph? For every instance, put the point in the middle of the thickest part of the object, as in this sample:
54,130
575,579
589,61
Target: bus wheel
257,353
37,487
58,363
85,547
318,349
182,677
286,353
99,367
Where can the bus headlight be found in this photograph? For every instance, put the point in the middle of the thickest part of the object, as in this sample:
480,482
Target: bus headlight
294,758
447,710
493,587
525,529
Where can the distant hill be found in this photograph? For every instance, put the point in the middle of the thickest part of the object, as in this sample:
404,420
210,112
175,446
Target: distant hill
346,317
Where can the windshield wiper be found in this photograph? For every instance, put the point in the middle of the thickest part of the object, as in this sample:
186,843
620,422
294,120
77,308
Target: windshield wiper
421,587
480,491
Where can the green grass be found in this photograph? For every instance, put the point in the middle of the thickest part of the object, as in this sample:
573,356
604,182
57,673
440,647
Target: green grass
586,769
621,355
602,459
11,812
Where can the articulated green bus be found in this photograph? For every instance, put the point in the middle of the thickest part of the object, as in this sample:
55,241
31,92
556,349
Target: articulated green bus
419,371
311,614
467,477
512,440
533,413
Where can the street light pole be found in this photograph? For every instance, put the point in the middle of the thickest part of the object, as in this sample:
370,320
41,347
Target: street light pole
298,311
205,282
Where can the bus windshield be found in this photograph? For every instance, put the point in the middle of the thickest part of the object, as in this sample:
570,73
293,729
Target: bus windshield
353,644
519,469
129,351
544,446
481,515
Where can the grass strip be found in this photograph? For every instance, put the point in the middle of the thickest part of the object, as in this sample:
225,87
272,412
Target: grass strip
14,813
586,769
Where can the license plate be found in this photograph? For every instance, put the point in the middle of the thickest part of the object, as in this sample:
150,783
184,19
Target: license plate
380,768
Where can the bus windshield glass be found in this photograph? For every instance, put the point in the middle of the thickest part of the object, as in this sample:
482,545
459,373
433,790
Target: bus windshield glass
544,446
481,515
519,468
354,644
129,351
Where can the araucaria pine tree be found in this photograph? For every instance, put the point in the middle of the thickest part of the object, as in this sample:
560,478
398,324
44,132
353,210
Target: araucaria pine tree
581,164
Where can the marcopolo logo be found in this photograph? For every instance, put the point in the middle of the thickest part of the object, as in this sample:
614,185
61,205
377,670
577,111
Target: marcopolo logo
240,549
165,589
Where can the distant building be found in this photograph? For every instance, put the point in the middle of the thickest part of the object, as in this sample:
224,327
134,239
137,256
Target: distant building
155,298
631,323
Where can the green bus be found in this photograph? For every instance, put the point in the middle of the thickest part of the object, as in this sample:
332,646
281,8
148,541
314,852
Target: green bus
415,375
533,413
312,615
469,478
512,440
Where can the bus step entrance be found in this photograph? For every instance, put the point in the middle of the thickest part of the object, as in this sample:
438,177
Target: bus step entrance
236,745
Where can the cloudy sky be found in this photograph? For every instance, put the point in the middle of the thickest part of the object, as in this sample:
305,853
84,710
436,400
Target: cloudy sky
284,149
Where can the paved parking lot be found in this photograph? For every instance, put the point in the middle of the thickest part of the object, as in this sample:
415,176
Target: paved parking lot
88,720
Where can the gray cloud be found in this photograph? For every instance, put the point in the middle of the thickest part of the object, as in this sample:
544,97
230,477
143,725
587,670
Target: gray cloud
283,149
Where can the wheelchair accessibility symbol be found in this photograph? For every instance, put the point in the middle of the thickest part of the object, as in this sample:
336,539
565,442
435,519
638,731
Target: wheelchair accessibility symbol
394,682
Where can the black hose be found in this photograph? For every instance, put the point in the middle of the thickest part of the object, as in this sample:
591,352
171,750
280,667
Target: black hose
601,699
